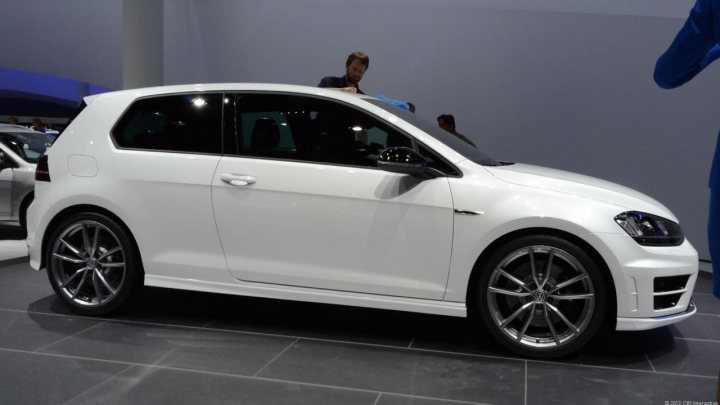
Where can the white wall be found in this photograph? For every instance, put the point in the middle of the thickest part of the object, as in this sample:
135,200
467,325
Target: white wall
73,39
561,83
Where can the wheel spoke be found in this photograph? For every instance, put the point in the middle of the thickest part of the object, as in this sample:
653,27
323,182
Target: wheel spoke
96,286
68,258
71,247
546,276
568,282
530,316
561,316
95,241
550,325
77,273
80,284
496,290
108,253
86,238
531,258
99,275
115,264
513,279
520,310
573,296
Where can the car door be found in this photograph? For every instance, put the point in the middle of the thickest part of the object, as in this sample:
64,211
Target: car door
302,203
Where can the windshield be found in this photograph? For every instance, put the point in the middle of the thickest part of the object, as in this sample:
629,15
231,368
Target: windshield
456,143
28,145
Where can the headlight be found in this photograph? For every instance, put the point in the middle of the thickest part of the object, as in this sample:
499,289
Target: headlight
650,230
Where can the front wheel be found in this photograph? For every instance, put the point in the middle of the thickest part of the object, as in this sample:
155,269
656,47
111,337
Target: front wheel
542,296
92,263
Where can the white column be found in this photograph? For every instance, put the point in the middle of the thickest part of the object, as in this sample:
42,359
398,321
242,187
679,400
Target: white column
142,43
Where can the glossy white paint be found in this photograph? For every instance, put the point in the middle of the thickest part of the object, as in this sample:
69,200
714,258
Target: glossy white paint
340,234
335,227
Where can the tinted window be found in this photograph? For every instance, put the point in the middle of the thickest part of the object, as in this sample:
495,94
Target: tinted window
183,123
469,151
310,129
29,146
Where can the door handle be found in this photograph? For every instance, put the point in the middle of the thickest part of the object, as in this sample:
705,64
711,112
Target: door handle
237,179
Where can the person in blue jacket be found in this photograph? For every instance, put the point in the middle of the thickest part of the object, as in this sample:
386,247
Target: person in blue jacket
695,47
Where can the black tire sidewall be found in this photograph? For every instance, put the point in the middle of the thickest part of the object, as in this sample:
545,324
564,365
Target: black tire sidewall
599,282
132,269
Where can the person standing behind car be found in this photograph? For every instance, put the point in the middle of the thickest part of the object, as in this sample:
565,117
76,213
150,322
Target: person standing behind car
694,48
355,66
38,125
447,122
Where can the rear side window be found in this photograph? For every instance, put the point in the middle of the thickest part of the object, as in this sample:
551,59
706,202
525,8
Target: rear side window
176,123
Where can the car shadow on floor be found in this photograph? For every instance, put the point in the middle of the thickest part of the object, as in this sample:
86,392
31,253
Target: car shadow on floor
160,306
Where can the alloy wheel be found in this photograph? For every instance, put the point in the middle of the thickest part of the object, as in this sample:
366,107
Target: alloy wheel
88,263
541,297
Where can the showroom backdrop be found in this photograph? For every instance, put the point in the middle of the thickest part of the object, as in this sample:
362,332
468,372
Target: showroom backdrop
560,83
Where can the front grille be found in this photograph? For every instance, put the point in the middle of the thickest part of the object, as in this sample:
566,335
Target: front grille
667,291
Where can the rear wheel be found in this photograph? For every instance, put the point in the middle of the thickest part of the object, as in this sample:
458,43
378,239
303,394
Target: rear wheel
92,263
542,296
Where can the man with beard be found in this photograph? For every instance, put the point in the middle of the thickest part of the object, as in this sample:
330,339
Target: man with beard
355,67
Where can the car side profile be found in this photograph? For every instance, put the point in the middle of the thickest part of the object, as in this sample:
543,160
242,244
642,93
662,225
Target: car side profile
20,150
300,193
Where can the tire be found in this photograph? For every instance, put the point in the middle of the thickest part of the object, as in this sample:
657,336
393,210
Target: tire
541,314
93,264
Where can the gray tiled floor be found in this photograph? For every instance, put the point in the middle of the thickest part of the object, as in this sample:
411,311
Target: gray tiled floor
186,347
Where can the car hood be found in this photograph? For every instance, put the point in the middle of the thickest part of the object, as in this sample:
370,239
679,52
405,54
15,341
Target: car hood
579,185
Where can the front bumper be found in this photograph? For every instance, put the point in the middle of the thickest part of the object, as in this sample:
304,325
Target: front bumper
653,285
652,323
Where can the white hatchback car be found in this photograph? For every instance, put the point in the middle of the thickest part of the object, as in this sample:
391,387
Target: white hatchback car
20,150
311,194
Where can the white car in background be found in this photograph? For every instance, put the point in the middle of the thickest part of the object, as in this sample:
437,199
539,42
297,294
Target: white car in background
311,194
20,150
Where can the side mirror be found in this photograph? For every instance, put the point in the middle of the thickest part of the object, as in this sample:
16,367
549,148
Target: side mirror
406,161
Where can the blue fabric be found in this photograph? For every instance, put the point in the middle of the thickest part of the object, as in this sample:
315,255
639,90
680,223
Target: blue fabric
714,238
392,101
694,48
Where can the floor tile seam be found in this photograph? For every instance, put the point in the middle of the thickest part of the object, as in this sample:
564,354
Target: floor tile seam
310,338
69,337
696,339
70,401
238,376
377,400
276,357
207,324
707,314
413,349
650,362
112,320
633,370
